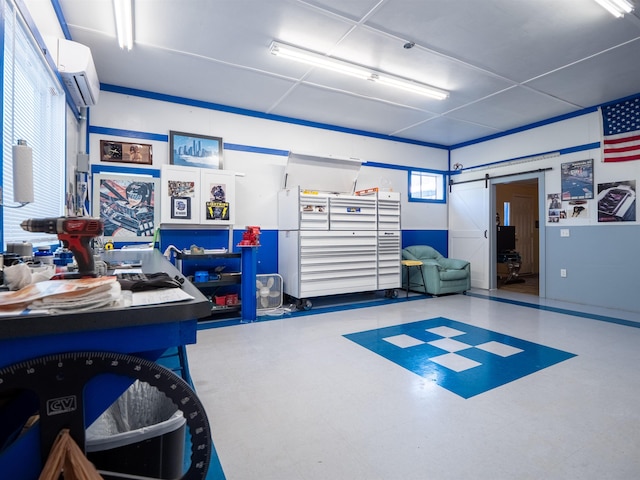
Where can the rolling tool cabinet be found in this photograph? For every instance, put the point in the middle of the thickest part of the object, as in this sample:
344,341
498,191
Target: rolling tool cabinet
334,242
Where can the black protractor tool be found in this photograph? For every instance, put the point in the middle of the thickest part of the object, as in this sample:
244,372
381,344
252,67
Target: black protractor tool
58,381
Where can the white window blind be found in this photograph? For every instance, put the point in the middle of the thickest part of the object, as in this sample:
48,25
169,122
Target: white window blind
34,110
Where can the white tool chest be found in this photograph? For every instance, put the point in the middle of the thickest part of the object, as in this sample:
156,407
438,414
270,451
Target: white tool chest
330,240
352,212
389,240
317,263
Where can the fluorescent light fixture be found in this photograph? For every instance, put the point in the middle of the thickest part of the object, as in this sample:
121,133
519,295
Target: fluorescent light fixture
617,8
123,10
346,68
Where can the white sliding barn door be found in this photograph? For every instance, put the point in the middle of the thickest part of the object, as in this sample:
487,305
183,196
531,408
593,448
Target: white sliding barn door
469,229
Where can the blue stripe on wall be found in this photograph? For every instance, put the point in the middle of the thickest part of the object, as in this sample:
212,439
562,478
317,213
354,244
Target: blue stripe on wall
101,168
248,148
267,254
438,239
118,132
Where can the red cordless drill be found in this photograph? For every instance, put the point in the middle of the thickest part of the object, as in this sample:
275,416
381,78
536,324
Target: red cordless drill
75,233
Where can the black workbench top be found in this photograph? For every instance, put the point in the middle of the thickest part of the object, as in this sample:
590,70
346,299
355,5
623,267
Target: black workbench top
107,318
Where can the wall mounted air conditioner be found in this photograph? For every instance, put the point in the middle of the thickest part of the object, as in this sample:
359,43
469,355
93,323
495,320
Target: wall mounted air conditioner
75,65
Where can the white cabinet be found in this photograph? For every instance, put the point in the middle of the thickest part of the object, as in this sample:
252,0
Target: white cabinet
389,240
197,196
388,210
389,256
316,263
334,243
351,212
302,210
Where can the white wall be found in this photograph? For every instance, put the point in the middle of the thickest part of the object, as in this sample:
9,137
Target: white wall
601,259
493,157
263,173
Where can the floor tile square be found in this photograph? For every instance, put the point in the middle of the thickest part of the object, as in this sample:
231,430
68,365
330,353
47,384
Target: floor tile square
450,345
455,362
403,341
445,331
498,348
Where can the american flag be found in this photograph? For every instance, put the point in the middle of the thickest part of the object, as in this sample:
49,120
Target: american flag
621,128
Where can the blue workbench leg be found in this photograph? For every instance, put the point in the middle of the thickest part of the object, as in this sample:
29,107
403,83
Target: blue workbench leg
248,288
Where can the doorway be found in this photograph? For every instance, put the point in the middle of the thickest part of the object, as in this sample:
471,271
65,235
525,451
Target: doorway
516,205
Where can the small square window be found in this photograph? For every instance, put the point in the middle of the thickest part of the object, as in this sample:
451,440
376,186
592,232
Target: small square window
426,186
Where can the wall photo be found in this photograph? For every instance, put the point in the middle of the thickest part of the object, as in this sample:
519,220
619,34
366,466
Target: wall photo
124,152
193,150
554,207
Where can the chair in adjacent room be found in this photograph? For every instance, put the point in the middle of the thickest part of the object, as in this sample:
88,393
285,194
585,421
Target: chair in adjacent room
441,275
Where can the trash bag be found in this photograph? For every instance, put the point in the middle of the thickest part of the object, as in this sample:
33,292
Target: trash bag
141,433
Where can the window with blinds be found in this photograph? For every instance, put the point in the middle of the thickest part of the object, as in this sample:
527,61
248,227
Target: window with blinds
34,110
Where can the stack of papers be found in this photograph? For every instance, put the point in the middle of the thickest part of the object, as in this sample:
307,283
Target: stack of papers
58,296
76,295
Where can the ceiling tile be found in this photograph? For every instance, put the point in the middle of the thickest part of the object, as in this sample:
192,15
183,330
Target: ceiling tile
335,108
597,80
511,108
445,131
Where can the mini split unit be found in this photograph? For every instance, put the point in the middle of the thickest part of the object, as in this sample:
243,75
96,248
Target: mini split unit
77,70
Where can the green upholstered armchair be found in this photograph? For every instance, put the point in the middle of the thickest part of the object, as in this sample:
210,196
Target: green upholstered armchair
441,275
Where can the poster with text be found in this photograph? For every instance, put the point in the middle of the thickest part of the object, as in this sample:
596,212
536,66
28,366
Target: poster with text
577,180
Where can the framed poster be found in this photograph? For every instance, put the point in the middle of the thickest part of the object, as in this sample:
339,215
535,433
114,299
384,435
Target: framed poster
577,180
124,152
181,208
127,206
193,150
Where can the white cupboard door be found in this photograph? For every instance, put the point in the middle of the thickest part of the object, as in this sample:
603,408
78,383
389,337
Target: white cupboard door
180,190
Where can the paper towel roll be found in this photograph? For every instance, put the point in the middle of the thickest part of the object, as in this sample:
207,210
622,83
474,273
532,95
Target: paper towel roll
22,173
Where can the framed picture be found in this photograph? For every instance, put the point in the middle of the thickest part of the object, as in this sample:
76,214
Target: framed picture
127,206
181,207
124,152
577,180
192,150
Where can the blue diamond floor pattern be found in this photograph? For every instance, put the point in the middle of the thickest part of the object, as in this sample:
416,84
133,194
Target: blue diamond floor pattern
464,359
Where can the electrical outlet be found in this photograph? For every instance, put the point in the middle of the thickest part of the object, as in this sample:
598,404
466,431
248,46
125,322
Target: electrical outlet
563,272
564,232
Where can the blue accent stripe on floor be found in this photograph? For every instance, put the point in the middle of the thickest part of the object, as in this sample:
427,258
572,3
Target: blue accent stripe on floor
575,313
206,325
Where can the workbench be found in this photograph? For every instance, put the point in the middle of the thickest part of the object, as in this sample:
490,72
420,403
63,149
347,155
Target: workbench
142,331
